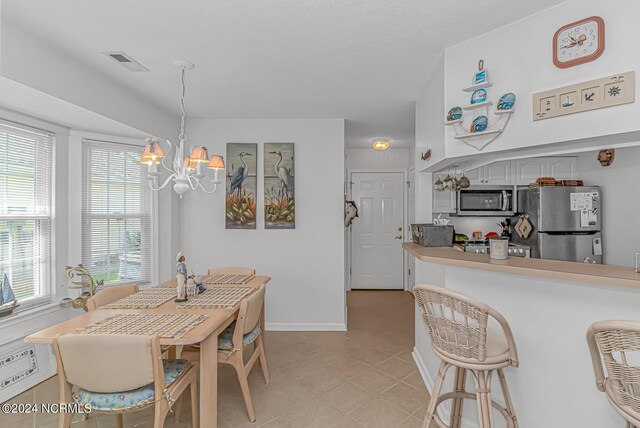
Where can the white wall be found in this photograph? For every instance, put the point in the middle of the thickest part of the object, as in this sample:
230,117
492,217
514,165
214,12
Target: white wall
620,202
306,264
519,59
371,159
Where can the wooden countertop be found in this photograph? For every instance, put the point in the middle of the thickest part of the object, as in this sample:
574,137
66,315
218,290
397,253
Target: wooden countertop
616,276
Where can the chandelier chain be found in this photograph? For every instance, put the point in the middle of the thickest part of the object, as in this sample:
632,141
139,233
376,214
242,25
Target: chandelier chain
182,136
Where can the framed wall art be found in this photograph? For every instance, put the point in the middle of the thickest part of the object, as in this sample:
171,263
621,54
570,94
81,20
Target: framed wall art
241,183
279,186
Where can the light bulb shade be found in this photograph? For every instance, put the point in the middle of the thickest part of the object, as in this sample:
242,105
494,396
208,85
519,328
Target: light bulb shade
152,152
216,162
380,144
199,154
189,164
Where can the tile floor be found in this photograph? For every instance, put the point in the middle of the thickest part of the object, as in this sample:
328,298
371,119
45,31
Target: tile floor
365,377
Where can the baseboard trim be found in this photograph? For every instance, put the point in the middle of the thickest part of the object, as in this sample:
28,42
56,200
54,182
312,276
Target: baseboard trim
277,326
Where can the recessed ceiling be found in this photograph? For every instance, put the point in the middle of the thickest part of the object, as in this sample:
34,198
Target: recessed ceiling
362,60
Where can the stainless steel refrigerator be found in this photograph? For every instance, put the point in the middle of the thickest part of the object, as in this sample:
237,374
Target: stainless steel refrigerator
567,222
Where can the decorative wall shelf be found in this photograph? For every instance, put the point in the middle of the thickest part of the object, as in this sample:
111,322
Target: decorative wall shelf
477,106
478,86
452,122
478,134
487,126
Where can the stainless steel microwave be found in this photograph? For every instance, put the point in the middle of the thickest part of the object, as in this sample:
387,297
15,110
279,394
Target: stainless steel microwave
487,201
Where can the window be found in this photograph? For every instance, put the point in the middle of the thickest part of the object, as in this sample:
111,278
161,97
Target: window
26,165
116,219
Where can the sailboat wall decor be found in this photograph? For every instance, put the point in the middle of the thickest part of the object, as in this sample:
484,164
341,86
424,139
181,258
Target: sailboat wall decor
8,301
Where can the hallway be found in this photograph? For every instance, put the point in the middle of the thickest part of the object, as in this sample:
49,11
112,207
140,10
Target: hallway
365,377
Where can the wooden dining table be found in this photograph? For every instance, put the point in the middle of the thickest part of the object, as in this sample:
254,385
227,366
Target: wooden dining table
205,334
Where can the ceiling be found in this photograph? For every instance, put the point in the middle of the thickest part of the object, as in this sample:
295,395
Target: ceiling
362,60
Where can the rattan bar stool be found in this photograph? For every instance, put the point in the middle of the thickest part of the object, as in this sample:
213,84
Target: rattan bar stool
615,343
460,336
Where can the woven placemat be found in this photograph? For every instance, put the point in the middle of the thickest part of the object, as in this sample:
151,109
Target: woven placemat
217,298
229,278
170,326
145,299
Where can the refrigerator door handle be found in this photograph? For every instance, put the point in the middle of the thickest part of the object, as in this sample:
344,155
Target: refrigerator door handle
505,200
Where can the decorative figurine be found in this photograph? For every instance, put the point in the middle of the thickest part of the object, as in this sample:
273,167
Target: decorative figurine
605,157
481,76
88,285
192,288
507,101
479,96
8,301
181,277
454,114
479,124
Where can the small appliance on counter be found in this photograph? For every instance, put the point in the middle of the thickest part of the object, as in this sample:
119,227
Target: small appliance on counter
432,235
560,222
486,201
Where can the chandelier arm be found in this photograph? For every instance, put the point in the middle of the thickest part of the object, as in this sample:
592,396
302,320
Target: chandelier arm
162,160
189,178
215,186
163,185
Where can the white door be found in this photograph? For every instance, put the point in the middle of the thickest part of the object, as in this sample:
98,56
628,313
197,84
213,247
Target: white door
377,234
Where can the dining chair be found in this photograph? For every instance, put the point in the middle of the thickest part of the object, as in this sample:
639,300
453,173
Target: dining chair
232,342
117,374
232,270
110,294
615,346
461,337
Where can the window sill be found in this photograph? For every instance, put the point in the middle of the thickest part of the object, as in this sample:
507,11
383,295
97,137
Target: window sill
14,327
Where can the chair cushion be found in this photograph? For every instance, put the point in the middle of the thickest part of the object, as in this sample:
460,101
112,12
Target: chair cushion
225,340
135,399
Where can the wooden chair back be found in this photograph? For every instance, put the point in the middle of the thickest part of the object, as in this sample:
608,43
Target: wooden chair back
110,363
615,347
458,324
249,315
111,294
232,270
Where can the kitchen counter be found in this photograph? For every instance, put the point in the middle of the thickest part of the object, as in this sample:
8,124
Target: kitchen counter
608,275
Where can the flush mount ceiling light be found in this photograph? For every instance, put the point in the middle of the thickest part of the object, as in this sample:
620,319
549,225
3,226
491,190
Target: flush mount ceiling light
186,171
380,144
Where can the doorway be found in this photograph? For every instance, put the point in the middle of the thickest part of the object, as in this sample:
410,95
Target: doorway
377,257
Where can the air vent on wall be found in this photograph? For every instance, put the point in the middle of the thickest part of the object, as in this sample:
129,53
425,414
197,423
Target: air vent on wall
126,61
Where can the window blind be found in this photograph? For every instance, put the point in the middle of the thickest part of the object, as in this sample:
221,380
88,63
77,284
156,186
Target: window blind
26,181
116,219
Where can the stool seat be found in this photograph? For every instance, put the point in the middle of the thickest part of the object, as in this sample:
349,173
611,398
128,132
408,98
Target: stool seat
461,338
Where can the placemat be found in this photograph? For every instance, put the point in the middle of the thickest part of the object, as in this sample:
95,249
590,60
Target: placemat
144,299
217,298
228,278
170,326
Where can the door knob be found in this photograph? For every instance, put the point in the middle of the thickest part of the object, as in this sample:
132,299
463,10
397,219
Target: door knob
399,236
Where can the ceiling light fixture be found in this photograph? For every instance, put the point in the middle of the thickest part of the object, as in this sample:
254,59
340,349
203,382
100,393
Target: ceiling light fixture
380,144
186,171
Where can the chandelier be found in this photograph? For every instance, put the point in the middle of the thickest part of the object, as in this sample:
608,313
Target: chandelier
186,172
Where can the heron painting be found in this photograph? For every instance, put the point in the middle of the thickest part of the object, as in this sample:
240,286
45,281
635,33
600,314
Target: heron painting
241,178
279,186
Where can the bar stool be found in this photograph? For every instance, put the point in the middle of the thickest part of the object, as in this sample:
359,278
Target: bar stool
616,342
461,338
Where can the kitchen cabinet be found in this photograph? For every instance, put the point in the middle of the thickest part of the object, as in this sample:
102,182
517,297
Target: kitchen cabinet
561,168
444,202
497,173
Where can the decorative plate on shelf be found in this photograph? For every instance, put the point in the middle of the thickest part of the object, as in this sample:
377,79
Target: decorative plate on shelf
478,96
454,114
479,124
506,101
